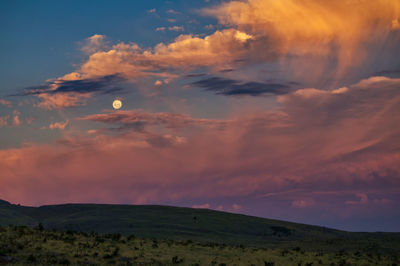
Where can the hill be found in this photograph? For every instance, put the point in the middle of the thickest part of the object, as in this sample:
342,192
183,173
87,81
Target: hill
199,225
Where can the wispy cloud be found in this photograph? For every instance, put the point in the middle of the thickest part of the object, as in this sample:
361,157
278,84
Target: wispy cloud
176,28
138,120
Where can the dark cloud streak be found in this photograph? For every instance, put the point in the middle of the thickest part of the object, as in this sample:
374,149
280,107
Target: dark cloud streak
101,85
230,87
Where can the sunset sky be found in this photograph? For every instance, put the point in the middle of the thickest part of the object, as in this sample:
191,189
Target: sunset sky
284,109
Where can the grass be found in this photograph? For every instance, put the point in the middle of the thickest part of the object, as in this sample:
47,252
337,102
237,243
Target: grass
98,234
20,245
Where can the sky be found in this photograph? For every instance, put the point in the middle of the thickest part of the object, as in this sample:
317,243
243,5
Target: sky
284,109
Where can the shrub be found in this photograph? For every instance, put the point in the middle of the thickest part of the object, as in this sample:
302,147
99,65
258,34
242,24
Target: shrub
31,259
176,260
64,261
280,230
40,227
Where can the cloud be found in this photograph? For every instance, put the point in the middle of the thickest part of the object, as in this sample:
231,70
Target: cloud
62,100
94,44
236,207
187,51
363,199
202,206
171,11
302,203
231,87
153,10
313,27
16,121
6,103
4,120
395,24
59,125
138,120
76,85
158,83
312,154
312,40
176,28
71,90
160,29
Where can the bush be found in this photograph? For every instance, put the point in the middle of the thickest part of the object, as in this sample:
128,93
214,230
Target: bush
31,259
176,260
40,227
64,261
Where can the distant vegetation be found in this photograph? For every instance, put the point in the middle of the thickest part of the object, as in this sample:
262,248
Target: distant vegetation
94,234
22,245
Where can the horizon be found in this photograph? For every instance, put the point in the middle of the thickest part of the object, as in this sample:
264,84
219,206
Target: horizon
207,209
282,110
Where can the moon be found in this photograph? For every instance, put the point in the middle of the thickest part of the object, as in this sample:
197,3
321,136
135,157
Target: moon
117,104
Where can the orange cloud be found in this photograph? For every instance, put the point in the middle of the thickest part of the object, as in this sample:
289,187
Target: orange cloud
62,100
59,125
202,206
6,103
16,121
302,27
131,61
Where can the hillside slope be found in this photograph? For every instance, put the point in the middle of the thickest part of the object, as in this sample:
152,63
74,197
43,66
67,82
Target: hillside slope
165,222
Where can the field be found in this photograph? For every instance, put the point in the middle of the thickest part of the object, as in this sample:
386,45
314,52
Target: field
20,245
95,234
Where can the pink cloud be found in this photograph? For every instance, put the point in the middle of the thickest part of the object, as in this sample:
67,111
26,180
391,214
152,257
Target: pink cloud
202,206
62,100
302,148
363,199
16,121
138,119
302,203
58,125
6,103
4,120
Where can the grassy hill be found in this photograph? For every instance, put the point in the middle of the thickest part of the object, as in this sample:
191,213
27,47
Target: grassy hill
198,225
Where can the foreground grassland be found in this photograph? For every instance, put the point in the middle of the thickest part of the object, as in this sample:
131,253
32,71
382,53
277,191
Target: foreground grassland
20,245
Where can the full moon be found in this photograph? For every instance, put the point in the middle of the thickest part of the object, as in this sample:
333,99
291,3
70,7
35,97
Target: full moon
117,104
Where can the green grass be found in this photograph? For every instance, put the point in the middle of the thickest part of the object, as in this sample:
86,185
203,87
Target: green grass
23,245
